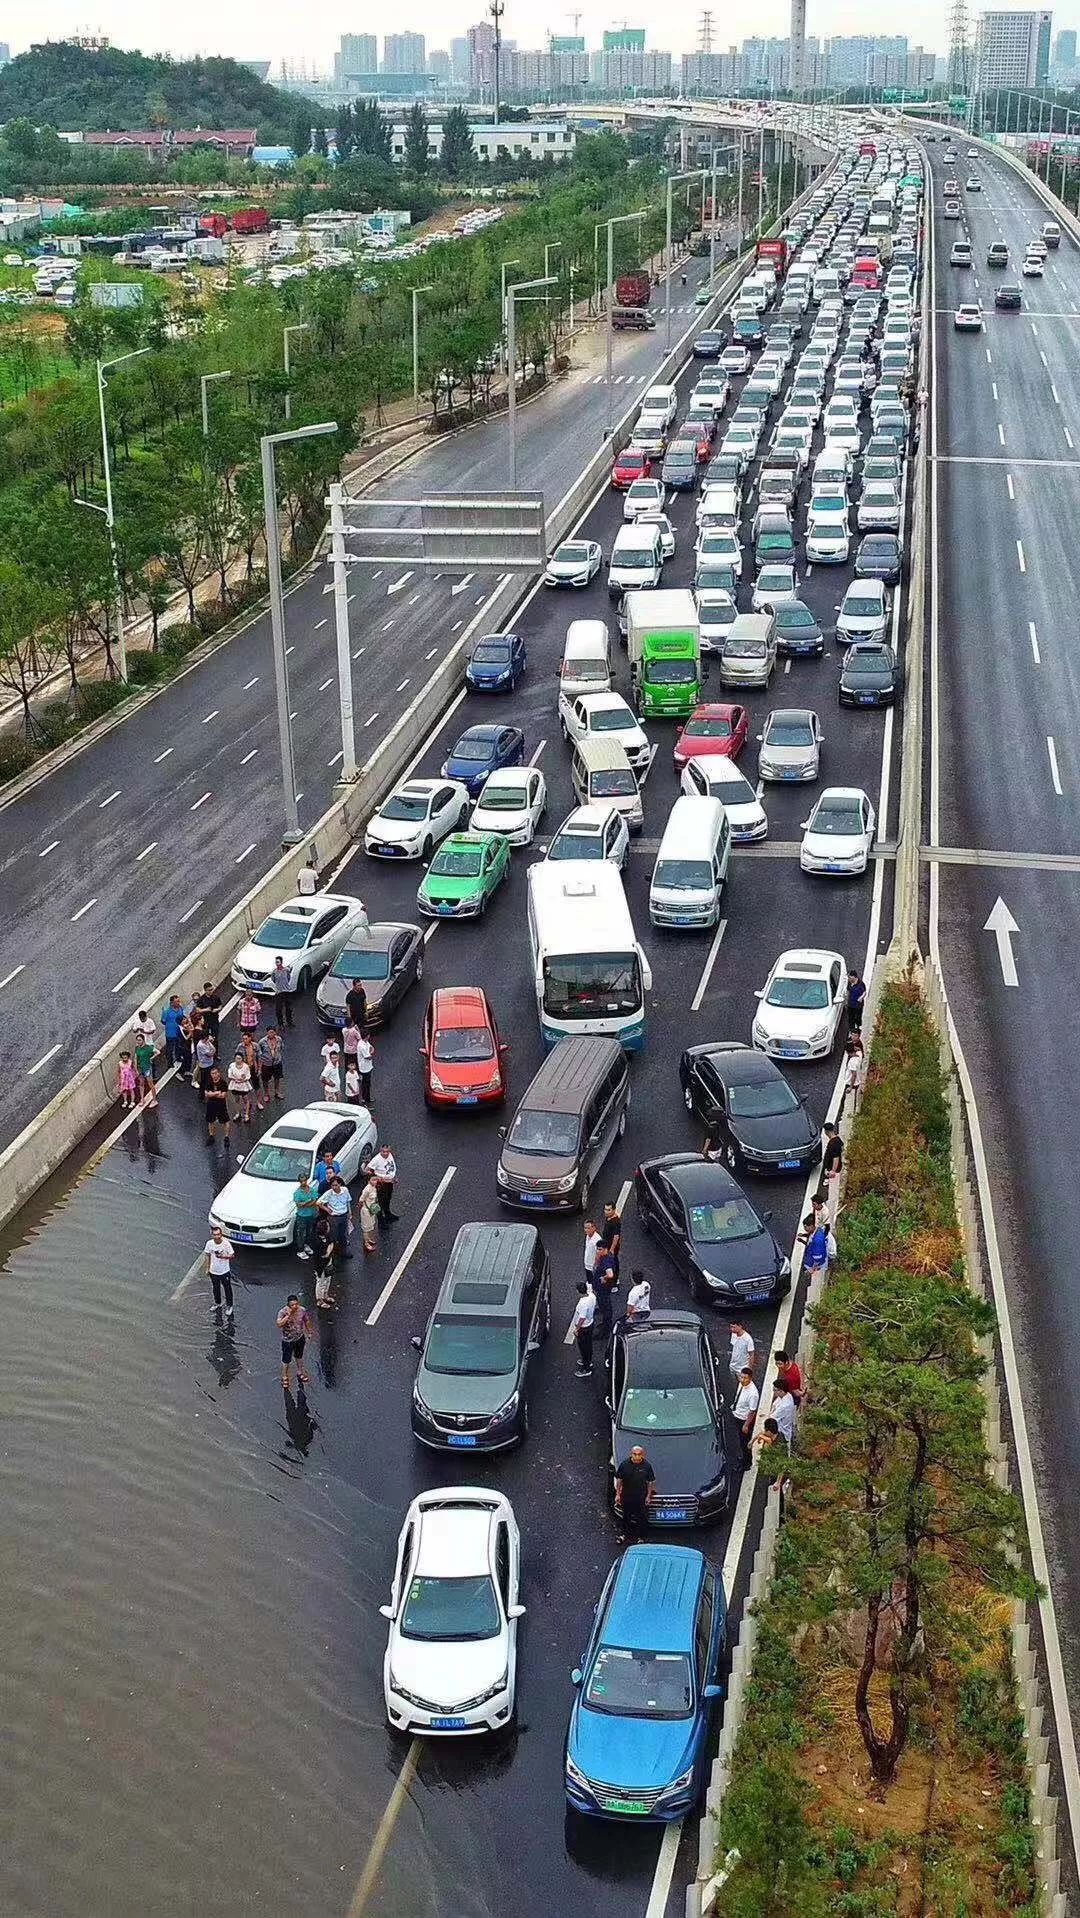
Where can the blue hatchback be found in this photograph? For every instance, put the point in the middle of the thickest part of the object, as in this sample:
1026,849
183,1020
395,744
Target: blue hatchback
635,1747
496,663
483,750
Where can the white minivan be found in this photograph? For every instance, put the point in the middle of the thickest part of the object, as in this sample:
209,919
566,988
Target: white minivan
691,865
662,400
637,558
586,660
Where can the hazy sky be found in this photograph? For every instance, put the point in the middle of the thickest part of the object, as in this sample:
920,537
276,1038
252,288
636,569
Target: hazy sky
250,30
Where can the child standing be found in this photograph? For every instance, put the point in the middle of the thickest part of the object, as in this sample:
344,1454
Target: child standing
125,1082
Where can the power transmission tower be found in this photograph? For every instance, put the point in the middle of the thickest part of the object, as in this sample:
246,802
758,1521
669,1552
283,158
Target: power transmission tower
705,32
496,11
960,62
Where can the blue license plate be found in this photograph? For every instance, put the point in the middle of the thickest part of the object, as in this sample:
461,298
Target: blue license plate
789,773
461,1438
867,699
531,1198
446,910
448,1724
681,919
789,1165
832,866
755,1298
467,1099
244,1238
674,1513
788,1052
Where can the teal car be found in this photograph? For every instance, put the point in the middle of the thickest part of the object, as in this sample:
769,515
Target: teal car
466,870
703,295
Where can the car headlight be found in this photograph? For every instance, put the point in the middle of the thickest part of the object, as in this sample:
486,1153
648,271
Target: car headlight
566,1184
411,1698
469,1704
785,1268
575,1773
759,1030
420,1403
279,1225
682,1783
821,1033
503,1176
506,1411
435,1082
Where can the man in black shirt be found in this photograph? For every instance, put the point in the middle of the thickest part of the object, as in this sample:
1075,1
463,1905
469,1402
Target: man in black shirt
611,1234
356,1004
832,1165
208,1004
634,1483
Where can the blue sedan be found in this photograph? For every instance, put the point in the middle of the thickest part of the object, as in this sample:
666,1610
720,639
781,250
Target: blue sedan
483,750
496,663
636,1743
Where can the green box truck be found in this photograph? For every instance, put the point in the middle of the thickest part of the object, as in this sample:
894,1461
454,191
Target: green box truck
663,641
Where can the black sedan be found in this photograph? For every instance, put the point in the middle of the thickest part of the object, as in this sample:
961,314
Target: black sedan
870,676
709,344
797,631
1008,299
663,1393
879,556
754,1119
387,960
710,1231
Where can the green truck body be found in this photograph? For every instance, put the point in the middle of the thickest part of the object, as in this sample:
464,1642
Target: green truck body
663,641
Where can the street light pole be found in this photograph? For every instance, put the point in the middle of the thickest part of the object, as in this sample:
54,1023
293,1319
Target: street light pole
341,628
268,448
550,245
618,219
522,288
416,292
300,326
673,180
761,177
712,226
103,367
502,270
205,380
742,165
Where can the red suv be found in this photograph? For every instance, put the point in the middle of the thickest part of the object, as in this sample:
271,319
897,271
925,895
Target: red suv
631,464
462,1052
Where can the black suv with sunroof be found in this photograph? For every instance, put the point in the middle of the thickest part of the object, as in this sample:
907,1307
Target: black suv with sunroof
491,1316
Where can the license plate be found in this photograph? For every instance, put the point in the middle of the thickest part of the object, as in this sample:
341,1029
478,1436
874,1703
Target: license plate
832,866
788,1165
681,919
467,1098
788,1052
461,1438
635,1807
673,1513
445,910
448,1724
531,1198
866,699
789,773
245,1238
755,1298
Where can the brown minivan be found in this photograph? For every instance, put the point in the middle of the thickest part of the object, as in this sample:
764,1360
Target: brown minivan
565,1126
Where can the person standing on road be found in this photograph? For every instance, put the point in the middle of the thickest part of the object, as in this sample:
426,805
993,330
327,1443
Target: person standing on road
307,879
336,1203
638,1299
788,1375
144,1032
220,1253
295,1328
369,1216
185,1040
205,1056
323,1250
330,1077
306,1201
127,1082
215,1094
592,1247
853,1071
783,1410
350,1041
325,1168
171,1019
240,1087
741,1358
635,1485
832,1166
248,1013
611,1232
584,1315
365,1065
356,1004
208,1005
856,1000
383,1169
744,1412
352,1083
271,1062
815,1233
605,1284
281,980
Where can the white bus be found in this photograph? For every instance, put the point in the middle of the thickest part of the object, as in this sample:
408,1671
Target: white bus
591,974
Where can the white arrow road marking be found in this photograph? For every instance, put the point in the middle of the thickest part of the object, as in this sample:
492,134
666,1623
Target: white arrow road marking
1002,924
396,585
461,585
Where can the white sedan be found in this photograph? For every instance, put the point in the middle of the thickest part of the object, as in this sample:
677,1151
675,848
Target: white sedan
575,563
774,586
800,1006
415,817
256,1207
828,541
1032,268
306,934
512,802
605,716
839,833
735,358
451,1651
714,777
643,496
968,319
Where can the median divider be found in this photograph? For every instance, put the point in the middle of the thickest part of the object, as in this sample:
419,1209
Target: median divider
90,1095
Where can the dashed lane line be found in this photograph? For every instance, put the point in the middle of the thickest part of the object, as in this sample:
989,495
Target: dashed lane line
426,1217
83,910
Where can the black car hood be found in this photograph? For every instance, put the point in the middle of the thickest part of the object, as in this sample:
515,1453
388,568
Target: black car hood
788,1131
683,1461
874,682
740,1258
333,992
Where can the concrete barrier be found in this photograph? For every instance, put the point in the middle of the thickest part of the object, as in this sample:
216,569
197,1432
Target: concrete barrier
59,1129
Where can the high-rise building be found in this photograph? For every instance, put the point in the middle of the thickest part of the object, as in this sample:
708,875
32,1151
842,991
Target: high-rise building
5,54
357,53
575,42
867,60
1063,65
629,70
459,59
797,48
403,53
438,63
624,40
1012,49
481,39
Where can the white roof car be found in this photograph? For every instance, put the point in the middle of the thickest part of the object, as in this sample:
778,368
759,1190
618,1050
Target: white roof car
1032,267
1037,248
595,831
839,833
879,506
607,716
735,359
256,1206
864,612
720,544
666,530
717,613
791,741
774,584
451,1651
414,817
800,1006
642,496
512,802
305,934
713,776
828,541
574,563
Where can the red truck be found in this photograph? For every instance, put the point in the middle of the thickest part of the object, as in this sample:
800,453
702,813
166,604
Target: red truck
633,289
868,146
214,223
774,253
251,219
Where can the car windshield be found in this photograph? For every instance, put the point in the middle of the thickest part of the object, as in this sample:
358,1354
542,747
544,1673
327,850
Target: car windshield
554,1134
270,1161
744,648
468,1346
774,577
474,751
616,782
681,456
798,995
575,845
633,1684
405,806
732,1219
707,726
586,985
454,863
464,1045
776,543
492,652
451,1609
573,554
683,875
769,1099
285,935
672,672
610,719
503,798
635,558
664,1408
837,818
356,964
869,660
858,607
795,615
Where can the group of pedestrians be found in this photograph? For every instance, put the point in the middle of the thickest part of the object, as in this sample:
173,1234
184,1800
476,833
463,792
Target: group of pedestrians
594,1313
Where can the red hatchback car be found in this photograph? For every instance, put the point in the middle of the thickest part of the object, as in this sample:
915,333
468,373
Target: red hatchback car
630,464
723,730
462,1052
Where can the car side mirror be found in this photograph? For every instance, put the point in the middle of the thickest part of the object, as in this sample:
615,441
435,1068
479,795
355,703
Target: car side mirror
712,1691
417,1344
576,1675
803,823
502,1132
760,993
515,1611
239,1158
386,1611
504,1045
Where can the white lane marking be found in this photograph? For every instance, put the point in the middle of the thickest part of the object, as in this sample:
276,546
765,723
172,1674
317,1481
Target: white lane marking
426,1217
989,361
83,910
1020,556
108,802
326,683
46,850
431,931
457,623
319,624
664,1873
292,715
1009,484
396,585
413,597
787,665
434,649
249,755
706,971
370,721
360,650
535,760
121,983
1001,433
1034,637
299,797
200,802
1056,394
387,623
210,716
190,1275
146,851
337,759
288,650
360,1902
461,585
1054,774
401,688
241,856
44,1060
1035,329
1042,357
251,683
1068,436
378,573
163,755
14,975
190,913
993,388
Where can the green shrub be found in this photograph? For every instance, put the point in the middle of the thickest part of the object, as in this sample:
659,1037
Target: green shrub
16,756
98,697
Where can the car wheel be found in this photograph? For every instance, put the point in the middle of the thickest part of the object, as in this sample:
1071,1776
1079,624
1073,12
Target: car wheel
688,1099
731,1158
643,1219
304,981
425,850
586,1194
697,1290
419,967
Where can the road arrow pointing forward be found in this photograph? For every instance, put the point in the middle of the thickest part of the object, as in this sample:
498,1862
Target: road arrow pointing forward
1002,924
461,585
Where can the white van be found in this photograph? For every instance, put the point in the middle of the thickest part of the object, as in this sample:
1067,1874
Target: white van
832,466
586,661
826,282
660,399
601,772
1051,233
691,865
637,558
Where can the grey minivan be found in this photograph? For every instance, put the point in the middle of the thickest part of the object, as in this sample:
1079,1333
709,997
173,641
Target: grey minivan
491,1316
565,1125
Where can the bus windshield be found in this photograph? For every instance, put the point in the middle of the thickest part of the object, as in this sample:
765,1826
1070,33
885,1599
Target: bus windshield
588,985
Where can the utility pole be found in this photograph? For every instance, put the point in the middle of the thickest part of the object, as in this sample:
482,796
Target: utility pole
496,11
268,446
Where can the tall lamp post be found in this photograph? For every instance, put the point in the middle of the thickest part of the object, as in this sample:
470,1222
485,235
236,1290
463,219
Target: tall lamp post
206,380
523,289
301,326
416,292
103,367
268,446
502,274
673,180
618,219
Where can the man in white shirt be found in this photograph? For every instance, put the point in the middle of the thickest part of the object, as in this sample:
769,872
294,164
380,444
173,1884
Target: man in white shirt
742,1350
219,1253
584,1314
383,1169
307,879
744,1410
783,1410
592,1247
638,1300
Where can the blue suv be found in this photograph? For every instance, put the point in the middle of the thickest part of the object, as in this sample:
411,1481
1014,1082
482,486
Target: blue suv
635,1746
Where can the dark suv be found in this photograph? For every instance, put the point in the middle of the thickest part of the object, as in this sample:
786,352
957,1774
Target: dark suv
491,1316
997,253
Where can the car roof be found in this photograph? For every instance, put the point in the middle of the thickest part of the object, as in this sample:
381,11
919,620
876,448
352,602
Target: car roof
456,1006
595,815
738,1064
485,732
380,937
420,788
465,840
454,1541
859,586
808,961
697,1178
486,1270
711,709
595,702
788,714
653,1598
304,1124
304,909
507,776
719,769
844,793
